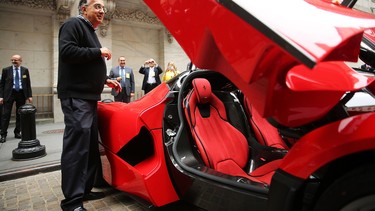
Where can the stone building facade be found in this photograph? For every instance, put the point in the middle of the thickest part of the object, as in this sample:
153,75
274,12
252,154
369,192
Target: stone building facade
30,28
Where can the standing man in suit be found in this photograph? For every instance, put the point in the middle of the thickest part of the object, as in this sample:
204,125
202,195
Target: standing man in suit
151,71
15,86
124,75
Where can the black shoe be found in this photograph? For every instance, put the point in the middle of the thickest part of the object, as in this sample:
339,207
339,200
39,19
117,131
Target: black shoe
17,135
93,196
3,139
79,209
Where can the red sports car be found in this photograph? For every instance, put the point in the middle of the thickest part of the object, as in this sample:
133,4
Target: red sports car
271,118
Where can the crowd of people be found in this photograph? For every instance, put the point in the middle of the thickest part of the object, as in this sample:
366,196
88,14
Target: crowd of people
15,86
151,71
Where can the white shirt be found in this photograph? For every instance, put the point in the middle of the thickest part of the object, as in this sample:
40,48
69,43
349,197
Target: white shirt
151,76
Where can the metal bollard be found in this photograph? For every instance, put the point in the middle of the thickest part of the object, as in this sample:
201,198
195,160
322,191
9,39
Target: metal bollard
29,147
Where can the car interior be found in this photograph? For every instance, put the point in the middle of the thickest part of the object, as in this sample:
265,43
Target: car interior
228,152
216,132
223,135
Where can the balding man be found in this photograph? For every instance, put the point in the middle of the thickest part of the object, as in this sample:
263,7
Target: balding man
82,74
15,87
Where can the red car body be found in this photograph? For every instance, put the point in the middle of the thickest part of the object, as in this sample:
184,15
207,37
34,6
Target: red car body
290,61
148,179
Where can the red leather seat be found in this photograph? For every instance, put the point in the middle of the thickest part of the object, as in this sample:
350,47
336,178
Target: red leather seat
271,136
221,146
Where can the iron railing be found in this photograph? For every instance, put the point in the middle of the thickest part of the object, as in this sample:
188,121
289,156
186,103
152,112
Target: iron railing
44,105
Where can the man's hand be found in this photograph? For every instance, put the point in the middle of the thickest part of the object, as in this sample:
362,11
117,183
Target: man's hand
114,84
106,53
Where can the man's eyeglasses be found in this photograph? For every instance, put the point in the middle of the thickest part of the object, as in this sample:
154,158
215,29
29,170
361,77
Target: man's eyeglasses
100,7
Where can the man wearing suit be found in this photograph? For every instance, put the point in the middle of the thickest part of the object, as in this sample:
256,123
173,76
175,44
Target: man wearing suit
124,75
151,72
14,87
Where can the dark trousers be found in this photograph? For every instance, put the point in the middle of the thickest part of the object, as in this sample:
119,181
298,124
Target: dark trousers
20,100
80,154
150,87
122,97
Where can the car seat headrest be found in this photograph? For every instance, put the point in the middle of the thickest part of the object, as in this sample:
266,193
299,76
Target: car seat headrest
202,89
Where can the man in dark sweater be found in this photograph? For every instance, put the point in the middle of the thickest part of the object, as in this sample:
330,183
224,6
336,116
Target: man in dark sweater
81,78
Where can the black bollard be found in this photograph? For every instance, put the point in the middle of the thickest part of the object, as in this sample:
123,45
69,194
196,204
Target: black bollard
29,147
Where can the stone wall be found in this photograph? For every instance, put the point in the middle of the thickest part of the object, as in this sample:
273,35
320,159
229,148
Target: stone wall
30,35
30,28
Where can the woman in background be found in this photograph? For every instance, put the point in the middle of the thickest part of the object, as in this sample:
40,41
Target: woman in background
170,72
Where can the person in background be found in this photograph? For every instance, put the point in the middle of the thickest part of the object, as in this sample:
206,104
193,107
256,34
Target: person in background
82,74
15,86
367,67
124,75
151,71
170,72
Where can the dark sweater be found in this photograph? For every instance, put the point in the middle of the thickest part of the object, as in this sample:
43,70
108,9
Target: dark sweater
82,70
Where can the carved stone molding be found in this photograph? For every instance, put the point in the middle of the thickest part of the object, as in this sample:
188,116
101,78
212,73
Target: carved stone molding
136,16
111,8
63,9
372,6
139,16
169,36
38,4
103,27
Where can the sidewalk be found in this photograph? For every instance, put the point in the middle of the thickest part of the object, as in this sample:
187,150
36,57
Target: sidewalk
50,135
36,184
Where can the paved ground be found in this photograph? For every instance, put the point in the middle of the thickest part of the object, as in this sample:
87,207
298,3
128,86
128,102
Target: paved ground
43,192
49,136
35,184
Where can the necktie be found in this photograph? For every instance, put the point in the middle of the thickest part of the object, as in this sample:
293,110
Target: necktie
122,73
17,81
